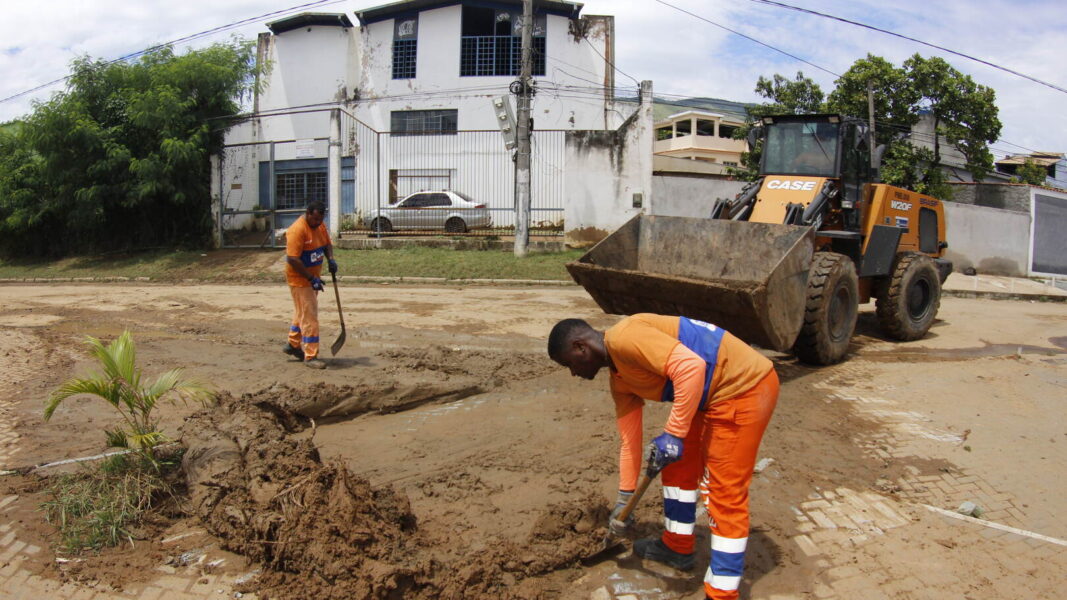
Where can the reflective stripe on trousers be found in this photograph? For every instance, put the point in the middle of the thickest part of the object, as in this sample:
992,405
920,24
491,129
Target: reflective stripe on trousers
304,330
722,446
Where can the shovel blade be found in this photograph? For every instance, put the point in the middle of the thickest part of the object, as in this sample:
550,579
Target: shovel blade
610,549
340,341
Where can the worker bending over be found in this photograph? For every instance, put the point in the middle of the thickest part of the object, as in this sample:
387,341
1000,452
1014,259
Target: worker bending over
307,245
723,393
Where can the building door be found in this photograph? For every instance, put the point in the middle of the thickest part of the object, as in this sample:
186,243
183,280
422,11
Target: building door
1049,251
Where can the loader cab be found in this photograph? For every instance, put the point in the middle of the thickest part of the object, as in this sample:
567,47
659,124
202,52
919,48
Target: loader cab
830,146
806,148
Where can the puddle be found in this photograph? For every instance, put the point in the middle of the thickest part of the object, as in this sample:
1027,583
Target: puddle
960,354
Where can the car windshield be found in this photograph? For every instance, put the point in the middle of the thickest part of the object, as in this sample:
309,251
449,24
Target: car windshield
800,149
465,197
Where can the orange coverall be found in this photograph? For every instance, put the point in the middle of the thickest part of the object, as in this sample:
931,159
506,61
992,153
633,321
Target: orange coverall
309,245
720,414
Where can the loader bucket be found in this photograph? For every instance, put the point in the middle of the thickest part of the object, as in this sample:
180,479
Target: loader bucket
749,278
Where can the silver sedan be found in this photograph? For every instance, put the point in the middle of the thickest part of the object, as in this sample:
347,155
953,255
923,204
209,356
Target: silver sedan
451,211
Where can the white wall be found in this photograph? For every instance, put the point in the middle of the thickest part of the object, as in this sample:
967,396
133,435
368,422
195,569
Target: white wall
989,240
690,196
438,85
308,66
604,172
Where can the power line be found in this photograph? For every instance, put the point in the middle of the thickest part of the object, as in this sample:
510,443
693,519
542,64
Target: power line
910,39
747,37
188,38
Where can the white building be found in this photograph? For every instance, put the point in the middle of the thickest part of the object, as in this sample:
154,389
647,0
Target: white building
415,82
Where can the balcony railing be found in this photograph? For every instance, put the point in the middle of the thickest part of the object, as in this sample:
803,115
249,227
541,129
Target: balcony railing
492,55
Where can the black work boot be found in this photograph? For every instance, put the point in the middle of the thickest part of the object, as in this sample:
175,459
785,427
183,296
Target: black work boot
293,351
653,548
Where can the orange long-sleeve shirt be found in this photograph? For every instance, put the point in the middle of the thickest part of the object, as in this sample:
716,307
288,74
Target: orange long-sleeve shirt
646,353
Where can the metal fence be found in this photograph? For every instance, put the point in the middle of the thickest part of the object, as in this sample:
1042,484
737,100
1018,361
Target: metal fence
454,183
461,182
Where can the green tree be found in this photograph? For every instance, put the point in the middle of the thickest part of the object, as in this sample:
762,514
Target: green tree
1032,173
120,383
895,99
121,159
964,112
798,96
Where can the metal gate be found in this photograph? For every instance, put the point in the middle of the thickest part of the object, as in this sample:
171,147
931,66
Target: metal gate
1049,221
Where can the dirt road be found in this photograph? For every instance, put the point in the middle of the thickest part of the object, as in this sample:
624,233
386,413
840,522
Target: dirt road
445,394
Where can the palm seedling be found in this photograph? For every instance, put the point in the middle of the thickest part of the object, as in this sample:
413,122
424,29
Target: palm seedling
120,384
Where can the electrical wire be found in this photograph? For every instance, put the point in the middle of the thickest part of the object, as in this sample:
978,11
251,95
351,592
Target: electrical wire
910,39
748,37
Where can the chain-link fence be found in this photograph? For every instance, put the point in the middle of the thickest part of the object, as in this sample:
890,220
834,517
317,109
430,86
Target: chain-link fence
423,182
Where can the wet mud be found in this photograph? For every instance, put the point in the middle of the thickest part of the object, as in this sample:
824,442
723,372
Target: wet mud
318,530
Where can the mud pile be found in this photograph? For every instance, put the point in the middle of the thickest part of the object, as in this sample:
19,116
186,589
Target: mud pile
409,379
322,532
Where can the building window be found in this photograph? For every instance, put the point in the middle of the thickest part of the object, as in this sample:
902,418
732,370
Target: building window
665,133
423,122
405,47
727,131
295,190
491,43
683,128
705,127
404,52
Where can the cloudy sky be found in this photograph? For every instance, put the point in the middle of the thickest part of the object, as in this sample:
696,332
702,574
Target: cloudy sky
682,54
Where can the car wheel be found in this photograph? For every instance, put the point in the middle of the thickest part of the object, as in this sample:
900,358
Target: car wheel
455,225
381,224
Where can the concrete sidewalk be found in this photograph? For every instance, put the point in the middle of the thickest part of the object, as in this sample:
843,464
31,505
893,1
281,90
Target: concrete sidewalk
1000,287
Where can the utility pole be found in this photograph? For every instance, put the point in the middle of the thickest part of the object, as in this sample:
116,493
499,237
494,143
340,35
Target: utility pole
870,117
522,157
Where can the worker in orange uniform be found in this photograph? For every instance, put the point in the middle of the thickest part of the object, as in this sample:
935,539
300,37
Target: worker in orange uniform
307,245
723,394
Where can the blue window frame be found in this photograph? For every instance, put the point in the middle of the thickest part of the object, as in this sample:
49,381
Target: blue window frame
404,58
491,42
405,46
490,55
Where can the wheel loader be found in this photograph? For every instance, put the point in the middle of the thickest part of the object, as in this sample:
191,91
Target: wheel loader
785,264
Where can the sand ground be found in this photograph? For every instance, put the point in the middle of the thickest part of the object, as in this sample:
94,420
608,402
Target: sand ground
974,412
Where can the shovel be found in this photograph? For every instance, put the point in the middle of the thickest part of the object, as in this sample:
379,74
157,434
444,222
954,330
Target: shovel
340,341
612,545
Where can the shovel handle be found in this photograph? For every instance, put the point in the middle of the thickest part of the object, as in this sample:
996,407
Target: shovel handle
337,295
631,504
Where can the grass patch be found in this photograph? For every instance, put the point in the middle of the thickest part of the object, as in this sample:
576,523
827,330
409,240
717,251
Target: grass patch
154,264
418,261
241,265
101,506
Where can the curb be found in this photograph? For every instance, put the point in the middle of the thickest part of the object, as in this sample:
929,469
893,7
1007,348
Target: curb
973,294
342,278
1003,296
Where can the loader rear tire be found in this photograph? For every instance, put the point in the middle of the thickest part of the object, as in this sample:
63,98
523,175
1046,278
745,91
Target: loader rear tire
831,310
908,300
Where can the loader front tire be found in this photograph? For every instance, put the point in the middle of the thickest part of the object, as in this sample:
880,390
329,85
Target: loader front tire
831,310
908,300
